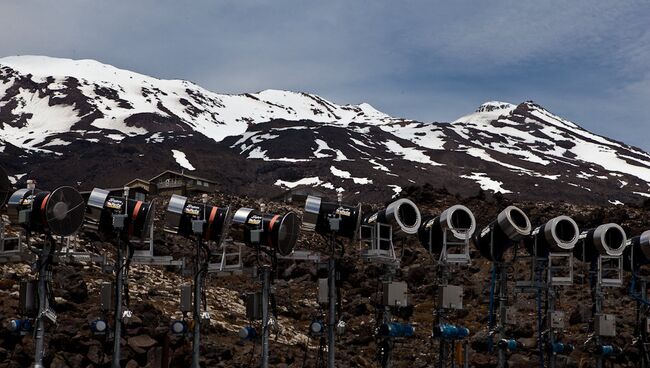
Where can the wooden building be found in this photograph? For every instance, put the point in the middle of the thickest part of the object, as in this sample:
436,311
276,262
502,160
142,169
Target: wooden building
172,182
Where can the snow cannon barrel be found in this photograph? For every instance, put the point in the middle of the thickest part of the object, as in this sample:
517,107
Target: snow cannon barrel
511,226
59,212
272,231
637,252
560,234
112,216
604,240
457,219
181,214
403,215
319,216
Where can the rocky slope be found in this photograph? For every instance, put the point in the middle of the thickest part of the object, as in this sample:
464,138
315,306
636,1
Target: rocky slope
115,124
154,294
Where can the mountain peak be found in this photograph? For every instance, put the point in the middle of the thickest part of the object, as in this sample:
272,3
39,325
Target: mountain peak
494,106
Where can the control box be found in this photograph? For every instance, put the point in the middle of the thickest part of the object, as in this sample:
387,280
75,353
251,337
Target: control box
450,297
605,325
395,294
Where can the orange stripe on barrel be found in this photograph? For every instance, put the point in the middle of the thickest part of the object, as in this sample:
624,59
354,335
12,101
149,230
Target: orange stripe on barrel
136,212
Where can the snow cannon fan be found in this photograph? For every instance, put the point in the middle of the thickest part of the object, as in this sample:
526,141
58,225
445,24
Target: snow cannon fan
326,218
5,186
457,219
112,216
269,231
402,215
60,212
560,234
637,252
181,214
510,226
604,240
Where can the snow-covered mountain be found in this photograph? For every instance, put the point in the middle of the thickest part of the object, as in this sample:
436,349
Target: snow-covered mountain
67,121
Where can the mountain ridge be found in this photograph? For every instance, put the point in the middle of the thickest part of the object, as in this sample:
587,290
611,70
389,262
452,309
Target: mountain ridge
53,110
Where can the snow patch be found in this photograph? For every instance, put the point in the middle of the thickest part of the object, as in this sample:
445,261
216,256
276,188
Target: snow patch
410,153
313,181
182,160
486,182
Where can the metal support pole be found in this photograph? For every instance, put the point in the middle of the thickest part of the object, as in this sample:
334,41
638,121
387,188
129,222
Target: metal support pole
196,333
444,280
119,285
641,318
597,298
331,297
503,299
266,290
552,356
43,276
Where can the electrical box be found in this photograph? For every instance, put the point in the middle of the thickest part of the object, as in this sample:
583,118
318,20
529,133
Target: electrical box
254,306
450,297
323,290
395,294
557,319
605,325
255,236
186,298
197,226
106,293
119,221
335,224
27,304
23,216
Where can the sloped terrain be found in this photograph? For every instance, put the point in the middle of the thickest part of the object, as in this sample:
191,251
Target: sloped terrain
154,294
115,124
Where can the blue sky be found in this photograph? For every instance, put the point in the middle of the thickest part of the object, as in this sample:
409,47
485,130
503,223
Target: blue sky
588,61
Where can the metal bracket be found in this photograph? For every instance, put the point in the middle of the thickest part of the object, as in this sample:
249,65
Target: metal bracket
446,256
147,256
610,275
560,269
379,244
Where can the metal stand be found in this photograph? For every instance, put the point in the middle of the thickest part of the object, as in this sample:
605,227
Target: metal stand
44,276
642,321
503,306
331,298
500,273
447,257
120,275
198,273
600,275
147,256
266,291
379,244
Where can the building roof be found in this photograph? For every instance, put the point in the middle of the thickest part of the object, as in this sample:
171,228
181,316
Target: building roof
183,175
138,180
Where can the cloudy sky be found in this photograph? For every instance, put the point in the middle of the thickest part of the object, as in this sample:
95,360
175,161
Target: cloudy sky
586,60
